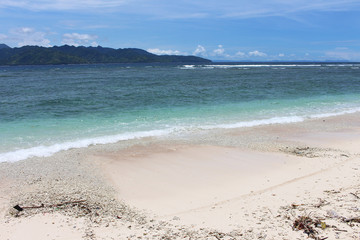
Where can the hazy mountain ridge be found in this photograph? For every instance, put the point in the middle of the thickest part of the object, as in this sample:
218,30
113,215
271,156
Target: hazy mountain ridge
35,55
3,46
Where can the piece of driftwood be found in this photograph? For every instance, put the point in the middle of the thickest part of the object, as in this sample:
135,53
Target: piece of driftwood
17,207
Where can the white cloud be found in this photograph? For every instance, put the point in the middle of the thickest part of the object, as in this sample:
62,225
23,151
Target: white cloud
341,48
256,53
39,5
12,3
28,36
191,9
200,51
263,8
281,55
219,51
26,30
77,39
3,36
163,52
240,54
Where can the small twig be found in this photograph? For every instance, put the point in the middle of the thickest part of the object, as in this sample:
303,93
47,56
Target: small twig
355,195
70,202
294,206
270,212
17,207
41,206
353,219
337,229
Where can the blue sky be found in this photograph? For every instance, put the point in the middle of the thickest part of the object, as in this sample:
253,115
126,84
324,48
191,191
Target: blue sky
228,29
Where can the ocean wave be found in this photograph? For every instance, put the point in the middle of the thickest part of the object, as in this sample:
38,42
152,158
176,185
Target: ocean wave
253,123
333,114
263,65
279,120
226,66
46,151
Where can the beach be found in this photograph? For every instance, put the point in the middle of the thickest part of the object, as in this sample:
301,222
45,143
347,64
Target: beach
241,183
186,120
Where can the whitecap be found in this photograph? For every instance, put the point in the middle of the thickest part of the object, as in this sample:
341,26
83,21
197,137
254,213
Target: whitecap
46,151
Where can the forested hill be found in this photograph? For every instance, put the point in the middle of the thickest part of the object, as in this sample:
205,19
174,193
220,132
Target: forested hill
34,55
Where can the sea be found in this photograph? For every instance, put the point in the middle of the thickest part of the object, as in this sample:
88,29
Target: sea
47,109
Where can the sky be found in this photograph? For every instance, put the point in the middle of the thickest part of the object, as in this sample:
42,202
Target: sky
233,30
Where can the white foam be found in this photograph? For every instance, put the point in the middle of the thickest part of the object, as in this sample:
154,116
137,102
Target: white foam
325,115
281,66
249,66
339,65
253,123
280,120
46,151
188,67
265,65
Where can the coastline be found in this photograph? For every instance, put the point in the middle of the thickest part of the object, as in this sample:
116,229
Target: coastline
243,183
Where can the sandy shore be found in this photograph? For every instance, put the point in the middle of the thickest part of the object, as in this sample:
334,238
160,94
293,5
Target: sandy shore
249,183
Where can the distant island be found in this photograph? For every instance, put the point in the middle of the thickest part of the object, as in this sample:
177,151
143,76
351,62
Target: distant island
35,55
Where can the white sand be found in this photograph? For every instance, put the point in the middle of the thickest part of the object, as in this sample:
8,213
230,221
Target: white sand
309,169
194,177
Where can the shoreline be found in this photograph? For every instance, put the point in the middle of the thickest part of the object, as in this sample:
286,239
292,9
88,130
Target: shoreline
170,134
241,182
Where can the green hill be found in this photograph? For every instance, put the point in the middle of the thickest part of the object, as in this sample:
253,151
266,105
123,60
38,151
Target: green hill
3,46
34,55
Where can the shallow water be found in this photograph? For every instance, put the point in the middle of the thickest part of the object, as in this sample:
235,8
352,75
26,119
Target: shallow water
46,109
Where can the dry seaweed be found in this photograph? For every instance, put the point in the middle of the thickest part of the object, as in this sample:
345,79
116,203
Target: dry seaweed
308,224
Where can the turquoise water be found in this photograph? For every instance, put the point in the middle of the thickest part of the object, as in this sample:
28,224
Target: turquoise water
45,109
